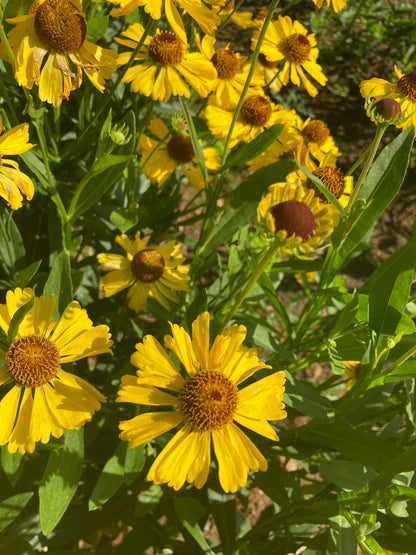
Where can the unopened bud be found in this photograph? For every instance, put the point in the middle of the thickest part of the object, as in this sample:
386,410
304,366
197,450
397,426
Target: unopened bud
388,109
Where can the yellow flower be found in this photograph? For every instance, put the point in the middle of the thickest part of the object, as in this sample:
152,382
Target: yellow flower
338,5
208,401
333,179
289,41
249,20
164,62
149,271
161,157
352,370
43,399
257,114
206,18
13,182
403,90
55,30
297,216
230,76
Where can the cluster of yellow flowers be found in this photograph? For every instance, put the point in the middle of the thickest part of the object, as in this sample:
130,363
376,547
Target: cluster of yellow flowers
49,48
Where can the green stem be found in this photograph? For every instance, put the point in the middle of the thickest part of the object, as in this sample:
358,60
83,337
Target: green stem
4,40
55,196
274,247
372,151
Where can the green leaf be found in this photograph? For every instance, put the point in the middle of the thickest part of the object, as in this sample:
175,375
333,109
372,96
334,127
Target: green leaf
110,479
348,475
388,290
385,178
12,464
97,26
12,249
242,207
17,319
148,500
305,399
125,218
17,7
342,535
406,371
188,511
24,277
134,463
60,479
59,282
269,290
367,449
254,148
92,187
11,507
346,317
337,363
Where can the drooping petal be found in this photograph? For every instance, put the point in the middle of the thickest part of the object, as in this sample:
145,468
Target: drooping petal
184,459
22,438
149,425
15,140
201,339
8,410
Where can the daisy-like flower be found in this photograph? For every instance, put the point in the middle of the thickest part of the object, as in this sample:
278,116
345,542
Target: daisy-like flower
207,19
13,182
317,136
232,75
208,402
148,270
44,43
297,216
288,41
333,179
257,114
403,90
161,157
337,5
42,399
164,64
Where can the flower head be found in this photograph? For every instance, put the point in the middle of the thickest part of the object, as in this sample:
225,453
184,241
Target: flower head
257,113
231,73
209,402
13,182
288,41
337,5
148,270
160,157
164,65
297,216
403,90
44,43
43,398
333,179
197,9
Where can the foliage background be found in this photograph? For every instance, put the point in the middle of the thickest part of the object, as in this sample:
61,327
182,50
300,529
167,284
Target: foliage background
344,467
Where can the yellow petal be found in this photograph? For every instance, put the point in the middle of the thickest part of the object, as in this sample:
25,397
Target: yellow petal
21,438
137,296
262,400
76,337
16,140
145,427
156,368
185,458
133,392
180,343
8,410
201,340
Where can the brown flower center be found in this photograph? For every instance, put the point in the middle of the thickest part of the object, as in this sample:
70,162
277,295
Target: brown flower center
208,400
264,61
296,48
60,26
32,361
256,110
332,178
180,149
166,49
407,85
294,217
148,265
316,132
226,64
